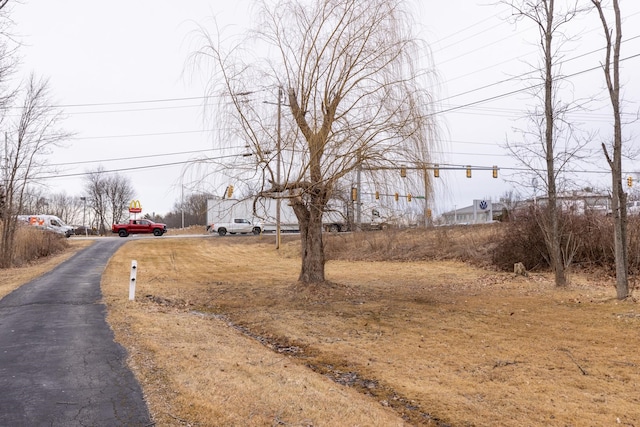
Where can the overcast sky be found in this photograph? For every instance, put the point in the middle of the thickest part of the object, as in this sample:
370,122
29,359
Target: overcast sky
118,71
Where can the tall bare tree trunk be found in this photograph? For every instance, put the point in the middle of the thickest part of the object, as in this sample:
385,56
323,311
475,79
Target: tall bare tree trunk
619,197
555,251
550,125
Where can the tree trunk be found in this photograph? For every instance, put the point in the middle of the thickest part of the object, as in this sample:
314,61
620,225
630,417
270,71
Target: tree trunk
620,233
619,202
619,197
555,250
6,249
312,246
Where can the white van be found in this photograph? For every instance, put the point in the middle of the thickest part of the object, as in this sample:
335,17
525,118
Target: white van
47,222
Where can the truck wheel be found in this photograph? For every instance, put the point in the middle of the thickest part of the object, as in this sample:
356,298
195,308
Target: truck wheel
256,230
222,231
334,228
157,232
123,233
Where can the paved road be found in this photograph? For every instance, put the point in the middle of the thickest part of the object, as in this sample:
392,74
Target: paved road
59,365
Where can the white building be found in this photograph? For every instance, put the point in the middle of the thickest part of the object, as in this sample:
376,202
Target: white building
480,212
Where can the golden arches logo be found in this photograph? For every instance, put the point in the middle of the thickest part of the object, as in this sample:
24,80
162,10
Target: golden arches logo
135,206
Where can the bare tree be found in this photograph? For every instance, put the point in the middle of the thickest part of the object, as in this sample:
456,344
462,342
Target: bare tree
63,206
118,192
188,212
550,135
34,135
355,100
611,68
96,189
109,195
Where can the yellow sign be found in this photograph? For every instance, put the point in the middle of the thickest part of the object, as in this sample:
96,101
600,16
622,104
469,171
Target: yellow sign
135,206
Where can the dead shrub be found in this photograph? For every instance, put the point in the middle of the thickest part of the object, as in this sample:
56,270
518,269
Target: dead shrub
31,244
587,239
633,237
521,240
469,243
591,234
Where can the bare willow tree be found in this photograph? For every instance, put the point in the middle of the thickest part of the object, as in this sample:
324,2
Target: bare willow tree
27,143
611,68
551,138
354,100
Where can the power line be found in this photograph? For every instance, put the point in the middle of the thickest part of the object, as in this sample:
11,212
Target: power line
513,92
527,73
141,101
134,168
136,135
147,156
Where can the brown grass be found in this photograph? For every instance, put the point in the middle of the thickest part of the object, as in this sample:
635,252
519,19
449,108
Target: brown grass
193,229
221,334
32,244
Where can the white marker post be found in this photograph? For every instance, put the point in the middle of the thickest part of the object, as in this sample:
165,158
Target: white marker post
132,280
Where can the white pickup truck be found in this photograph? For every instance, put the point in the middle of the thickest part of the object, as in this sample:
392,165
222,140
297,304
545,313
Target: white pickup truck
236,226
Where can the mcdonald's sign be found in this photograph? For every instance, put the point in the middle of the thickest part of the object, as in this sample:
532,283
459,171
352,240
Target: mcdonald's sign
135,207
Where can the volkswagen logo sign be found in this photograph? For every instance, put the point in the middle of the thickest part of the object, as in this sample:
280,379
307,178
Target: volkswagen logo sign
483,204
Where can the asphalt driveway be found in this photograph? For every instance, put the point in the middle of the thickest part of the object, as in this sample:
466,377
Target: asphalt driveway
59,364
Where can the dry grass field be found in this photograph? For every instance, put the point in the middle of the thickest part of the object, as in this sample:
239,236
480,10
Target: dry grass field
221,334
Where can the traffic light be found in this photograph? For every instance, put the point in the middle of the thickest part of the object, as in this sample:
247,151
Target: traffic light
629,181
495,171
436,171
354,194
377,195
396,196
229,191
468,171
403,172
408,197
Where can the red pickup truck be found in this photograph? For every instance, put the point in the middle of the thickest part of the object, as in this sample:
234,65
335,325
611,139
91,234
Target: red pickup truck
139,226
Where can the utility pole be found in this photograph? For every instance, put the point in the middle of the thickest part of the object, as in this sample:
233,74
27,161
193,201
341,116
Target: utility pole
426,198
278,159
